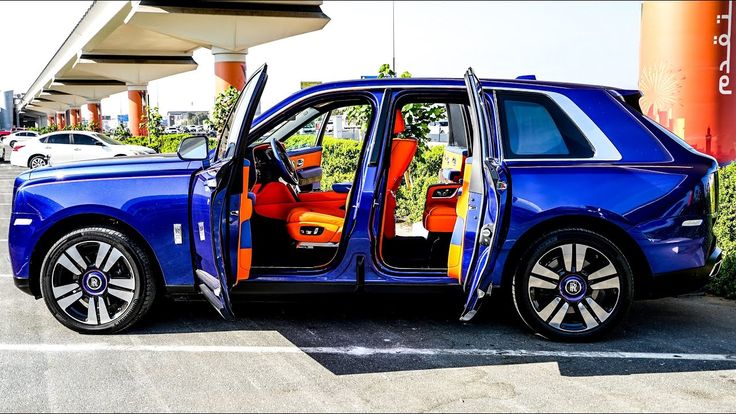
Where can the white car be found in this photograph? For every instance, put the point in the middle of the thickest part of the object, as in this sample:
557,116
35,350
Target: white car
18,136
66,146
171,130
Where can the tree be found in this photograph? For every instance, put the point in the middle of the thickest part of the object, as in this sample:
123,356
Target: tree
152,122
417,116
224,104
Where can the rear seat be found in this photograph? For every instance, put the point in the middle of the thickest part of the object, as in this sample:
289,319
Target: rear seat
441,199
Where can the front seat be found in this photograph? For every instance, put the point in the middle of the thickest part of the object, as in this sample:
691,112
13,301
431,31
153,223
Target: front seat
324,225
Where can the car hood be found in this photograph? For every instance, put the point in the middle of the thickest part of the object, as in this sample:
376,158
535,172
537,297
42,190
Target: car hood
122,167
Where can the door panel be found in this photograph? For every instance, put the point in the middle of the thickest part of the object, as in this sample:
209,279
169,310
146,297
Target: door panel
219,196
308,164
482,205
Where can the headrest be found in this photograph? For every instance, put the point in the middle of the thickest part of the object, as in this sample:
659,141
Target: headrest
399,125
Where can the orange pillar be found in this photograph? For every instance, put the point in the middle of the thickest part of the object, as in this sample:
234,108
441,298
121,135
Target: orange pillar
60,120
136,98
93,112
74,118
50,120
229,69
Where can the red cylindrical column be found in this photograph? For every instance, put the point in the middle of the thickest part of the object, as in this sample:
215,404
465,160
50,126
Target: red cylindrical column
60,120
93,112
50,120
74,118
229,69
685,72
136,99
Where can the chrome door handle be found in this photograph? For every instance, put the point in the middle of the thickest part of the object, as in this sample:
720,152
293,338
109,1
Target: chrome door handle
48,147
77,149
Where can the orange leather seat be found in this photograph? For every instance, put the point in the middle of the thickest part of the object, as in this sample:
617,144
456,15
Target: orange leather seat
440,219
316,224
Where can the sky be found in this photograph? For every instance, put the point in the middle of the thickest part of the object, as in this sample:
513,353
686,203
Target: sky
587,42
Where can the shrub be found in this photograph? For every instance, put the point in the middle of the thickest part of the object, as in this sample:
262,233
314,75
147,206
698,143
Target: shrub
725,230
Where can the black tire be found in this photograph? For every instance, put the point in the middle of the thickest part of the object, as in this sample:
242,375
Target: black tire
137,264
11,144
37,161
569,315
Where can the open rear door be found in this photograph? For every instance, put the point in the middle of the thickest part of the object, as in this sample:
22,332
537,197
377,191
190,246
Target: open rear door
219,195
479,208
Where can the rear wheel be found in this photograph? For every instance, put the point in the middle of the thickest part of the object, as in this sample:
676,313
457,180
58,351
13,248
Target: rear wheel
37,161
574,284
97,280
11,144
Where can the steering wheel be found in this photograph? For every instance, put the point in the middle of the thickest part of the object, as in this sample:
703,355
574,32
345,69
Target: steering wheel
285,167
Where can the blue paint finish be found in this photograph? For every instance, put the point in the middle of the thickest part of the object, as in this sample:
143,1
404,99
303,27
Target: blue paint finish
656,186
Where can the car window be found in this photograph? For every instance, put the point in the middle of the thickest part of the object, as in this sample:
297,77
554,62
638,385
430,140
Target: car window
533,126
81,139
58,139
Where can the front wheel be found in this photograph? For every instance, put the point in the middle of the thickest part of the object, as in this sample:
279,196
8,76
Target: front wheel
11,144
97,280
573,285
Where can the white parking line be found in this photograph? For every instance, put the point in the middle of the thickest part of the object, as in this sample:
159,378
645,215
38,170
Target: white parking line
355,351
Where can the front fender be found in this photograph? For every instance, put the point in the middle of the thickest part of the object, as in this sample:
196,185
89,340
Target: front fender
149,205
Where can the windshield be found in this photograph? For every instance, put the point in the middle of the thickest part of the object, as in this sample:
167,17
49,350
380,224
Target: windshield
285,128
234,124
107,140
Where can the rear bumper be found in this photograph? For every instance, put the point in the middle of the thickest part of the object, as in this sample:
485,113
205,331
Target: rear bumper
685,281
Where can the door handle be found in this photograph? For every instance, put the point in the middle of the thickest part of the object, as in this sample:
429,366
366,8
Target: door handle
77,149
211,183
48,147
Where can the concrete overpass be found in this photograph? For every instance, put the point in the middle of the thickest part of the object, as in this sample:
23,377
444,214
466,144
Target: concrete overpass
124,45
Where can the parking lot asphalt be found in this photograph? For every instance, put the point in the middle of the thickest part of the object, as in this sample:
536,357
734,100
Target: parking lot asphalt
361,353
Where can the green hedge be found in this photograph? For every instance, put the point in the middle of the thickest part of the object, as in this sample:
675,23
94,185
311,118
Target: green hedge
167,143
725,229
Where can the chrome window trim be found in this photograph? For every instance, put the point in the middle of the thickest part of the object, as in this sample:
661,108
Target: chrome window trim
603,148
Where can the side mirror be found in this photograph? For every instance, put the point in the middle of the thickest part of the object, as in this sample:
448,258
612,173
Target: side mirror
193,149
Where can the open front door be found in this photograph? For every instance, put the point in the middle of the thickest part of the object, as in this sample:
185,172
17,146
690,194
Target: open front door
474,239
219,197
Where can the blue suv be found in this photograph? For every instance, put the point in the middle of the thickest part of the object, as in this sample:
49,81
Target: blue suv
563,196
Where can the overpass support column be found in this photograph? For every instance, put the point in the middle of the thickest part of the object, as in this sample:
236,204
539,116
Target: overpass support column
61,120
50,120
229,69
93,112
74,118
136,102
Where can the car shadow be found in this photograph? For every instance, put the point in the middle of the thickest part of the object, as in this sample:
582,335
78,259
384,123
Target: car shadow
689,325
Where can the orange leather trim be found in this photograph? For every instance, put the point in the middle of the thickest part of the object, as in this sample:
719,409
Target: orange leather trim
402,153
245,214
323,218
454,258
312,159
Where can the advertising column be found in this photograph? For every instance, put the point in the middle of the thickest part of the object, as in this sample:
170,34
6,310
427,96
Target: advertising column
685,72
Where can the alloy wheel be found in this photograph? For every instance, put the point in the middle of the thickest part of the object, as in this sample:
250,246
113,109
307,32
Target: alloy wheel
574,287
37,162
93,282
